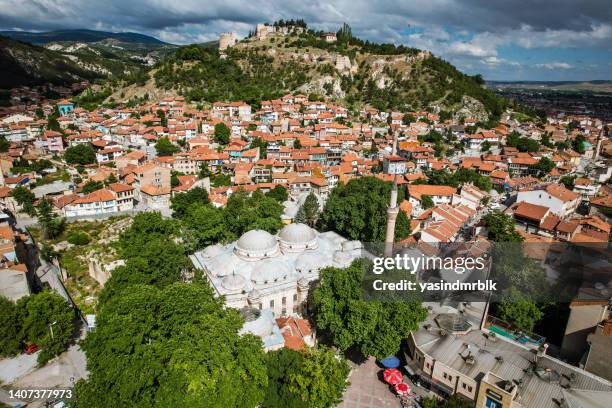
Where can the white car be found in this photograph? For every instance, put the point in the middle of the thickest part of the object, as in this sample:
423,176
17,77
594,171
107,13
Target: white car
493,206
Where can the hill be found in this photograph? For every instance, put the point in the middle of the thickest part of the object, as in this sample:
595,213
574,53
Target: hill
81,35
26,64
350,70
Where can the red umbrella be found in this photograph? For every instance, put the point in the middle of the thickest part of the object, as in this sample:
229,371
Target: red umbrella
402,389
393,376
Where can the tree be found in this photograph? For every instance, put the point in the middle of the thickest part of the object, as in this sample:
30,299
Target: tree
205,226
175,346
10,327
426,201
578,144
279,193
23,196
244,213
222,133
501,227
297,144
80,154
568,181
545,165
454,401
111,179
164,147
358,210
376,327
486,146
46,320
321,379
204,170
311,209
522,313
281,366
300,216
92,186
4,144
52,226
182,201
407,119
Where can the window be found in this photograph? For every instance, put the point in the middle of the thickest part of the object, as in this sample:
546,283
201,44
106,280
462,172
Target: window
284,300
295,298
272,304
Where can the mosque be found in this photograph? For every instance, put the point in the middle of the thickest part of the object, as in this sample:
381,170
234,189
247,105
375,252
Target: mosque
264,271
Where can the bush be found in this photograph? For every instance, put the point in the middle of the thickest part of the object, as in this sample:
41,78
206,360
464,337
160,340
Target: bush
79,238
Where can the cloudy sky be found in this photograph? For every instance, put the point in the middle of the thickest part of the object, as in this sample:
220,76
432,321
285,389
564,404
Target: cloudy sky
501,39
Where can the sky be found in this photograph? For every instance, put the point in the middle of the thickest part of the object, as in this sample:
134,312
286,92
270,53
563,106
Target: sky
542,40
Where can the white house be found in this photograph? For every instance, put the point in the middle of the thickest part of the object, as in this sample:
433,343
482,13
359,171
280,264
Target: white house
560,200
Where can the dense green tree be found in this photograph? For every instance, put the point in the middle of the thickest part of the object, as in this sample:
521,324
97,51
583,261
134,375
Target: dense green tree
222,133
176,346
52,225
500,227
244,213
522,143
358,210
80,154
23,195
279,193
454,401
10,328
46,319
182,201
92,186
206,225
426,202
204,170
164,147
300,216
578,144
376,327
522,313
4,144
311,209
282,365
568,181
321,379
545,165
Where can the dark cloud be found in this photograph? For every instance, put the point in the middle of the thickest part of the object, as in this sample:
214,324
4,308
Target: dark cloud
468,32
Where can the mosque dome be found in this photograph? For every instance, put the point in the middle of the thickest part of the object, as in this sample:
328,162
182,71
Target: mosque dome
270,270
297,238
233,282
212,251
255,245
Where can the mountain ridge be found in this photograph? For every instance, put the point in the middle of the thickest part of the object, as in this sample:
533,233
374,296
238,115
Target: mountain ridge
79,35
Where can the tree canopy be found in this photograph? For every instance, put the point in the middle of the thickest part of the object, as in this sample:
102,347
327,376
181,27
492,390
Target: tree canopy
80,154
172,346
182,201
375,327
222,133
164,147
358,210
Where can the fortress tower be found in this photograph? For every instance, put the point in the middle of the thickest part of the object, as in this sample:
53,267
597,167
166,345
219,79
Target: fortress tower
227,40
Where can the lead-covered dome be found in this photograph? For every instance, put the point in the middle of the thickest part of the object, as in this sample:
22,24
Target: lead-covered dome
297,238
255,245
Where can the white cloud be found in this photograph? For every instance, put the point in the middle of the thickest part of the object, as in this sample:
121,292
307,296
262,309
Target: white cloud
554,65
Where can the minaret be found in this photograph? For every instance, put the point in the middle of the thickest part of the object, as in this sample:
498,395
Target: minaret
393,209
392,212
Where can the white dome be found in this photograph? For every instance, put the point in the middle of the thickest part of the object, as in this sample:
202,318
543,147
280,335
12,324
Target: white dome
212,251
310,262
233,282
297,233
256,244
270,270
297,237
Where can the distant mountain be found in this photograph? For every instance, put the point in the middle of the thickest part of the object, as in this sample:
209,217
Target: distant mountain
81,35
591,86
26,64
